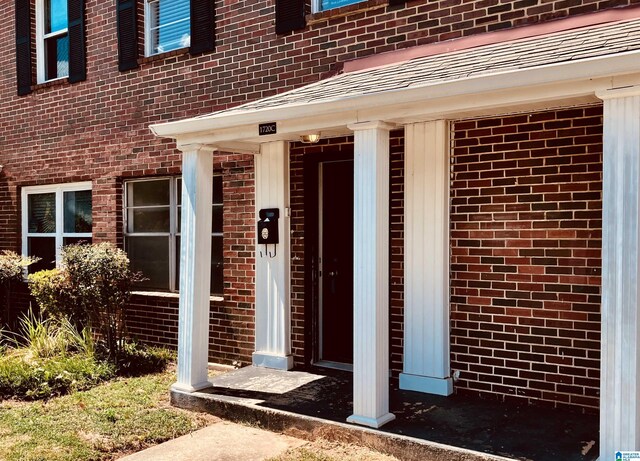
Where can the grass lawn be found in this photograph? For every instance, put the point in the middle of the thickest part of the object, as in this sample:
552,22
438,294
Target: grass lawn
106,422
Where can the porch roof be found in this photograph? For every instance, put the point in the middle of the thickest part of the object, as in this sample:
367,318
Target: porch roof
572,65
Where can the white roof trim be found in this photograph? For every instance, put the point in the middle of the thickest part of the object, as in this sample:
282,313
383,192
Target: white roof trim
547,83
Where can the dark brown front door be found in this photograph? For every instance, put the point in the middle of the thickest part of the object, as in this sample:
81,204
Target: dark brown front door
336,258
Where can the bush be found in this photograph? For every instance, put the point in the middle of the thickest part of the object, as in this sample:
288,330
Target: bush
52,291
53,358
136,359
31,378
92,289
12,265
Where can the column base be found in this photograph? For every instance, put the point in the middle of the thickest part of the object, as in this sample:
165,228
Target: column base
278,362
371,422
426,384
190,388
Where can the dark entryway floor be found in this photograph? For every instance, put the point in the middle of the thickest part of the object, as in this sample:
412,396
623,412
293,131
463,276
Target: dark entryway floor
505,429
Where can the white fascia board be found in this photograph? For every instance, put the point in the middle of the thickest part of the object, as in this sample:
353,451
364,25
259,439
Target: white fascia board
560,81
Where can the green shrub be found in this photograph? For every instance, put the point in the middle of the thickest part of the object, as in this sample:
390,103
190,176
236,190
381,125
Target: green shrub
32,378
12,265
92,289
50,357
52,291
136,359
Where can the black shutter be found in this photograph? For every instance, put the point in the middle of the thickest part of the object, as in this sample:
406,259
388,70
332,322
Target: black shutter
289,15
77,41
203,23
23,46
127,34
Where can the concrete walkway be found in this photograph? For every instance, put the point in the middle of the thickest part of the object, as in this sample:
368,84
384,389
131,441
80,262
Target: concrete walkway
222,441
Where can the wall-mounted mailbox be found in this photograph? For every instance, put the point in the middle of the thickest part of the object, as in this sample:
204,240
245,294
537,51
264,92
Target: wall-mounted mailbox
268,229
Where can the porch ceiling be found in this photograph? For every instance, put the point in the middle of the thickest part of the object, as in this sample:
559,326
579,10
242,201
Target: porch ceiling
527,74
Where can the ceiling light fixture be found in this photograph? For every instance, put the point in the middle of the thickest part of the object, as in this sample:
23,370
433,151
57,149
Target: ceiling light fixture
311,138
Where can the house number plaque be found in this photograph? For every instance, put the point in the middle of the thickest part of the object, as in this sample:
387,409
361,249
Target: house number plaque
267,128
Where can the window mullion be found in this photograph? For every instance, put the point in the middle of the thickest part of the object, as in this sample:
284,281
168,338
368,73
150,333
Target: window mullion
55,33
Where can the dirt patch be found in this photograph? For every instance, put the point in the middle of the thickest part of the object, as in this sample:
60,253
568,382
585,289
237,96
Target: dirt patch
325,450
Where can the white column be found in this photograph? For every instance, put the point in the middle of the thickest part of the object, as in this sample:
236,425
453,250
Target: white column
195,268
620,366
371,275
426,259
273,296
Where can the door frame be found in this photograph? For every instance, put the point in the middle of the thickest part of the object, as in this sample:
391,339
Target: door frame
312,282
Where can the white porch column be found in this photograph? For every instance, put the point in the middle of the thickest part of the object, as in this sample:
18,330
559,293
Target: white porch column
273,297
195,268
426,256
371,275
620,367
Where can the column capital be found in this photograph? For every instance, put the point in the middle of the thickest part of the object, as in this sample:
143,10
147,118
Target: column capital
613,93
197,147
371,125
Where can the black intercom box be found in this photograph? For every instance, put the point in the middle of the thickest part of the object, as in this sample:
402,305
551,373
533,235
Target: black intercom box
268,226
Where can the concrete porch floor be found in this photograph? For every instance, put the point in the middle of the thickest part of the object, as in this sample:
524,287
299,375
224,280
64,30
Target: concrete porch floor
427,427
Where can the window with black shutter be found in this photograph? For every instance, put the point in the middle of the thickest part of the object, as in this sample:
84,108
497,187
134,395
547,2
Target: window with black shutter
173,24
60,41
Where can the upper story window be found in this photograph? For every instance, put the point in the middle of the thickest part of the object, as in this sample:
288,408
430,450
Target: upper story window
53,216
152,231
167,25
52,39
322,5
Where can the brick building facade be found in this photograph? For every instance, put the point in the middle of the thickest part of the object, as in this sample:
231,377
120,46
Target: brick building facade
526,188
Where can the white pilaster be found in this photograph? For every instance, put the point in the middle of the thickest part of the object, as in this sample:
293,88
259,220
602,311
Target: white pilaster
426,259
195,268
371,275
620,366
273,297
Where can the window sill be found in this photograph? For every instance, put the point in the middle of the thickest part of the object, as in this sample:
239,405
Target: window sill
345,10
165,294
165,55
49,83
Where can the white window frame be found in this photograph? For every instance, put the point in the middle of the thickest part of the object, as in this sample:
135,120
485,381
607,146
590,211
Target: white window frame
60,234
148,44
316,5
41,37
173,221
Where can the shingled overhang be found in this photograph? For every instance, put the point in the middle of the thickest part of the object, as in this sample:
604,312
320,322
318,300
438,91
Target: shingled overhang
525,72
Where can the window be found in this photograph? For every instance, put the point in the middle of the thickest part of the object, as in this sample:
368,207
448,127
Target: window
167,25
52,40
152,232
322,5
53,216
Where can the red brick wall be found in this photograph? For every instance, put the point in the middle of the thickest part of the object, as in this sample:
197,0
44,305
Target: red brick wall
526,255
